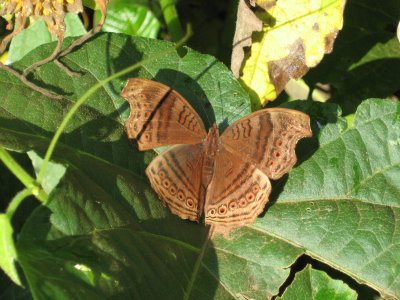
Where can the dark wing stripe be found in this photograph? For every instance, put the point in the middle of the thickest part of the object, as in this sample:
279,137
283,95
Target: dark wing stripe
176,165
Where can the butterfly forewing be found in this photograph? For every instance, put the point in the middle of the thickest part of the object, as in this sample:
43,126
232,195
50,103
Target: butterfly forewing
268,138
175,175
160,116
237,193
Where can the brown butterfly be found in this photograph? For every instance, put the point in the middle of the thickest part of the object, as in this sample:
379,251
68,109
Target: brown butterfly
227,176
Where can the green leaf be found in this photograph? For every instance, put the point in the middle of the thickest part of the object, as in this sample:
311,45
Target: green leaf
313,284
8,254
103,220
130,17
342,205
104,233
54,172
38,34
366,55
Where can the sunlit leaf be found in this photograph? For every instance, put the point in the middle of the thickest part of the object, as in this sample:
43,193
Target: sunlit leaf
130,17
294,39
38,34
313,284
8,254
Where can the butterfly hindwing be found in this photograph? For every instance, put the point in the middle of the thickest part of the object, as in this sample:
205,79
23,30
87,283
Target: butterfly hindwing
268,138
237,193
160,115
175,175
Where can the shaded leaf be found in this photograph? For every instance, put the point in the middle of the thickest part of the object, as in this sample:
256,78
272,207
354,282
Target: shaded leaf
294,39
211,34
314,284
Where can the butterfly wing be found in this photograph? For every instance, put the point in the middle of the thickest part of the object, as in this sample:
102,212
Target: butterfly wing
268,138
238,191
175,175
160,116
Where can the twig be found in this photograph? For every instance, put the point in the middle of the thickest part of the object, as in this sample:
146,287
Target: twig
47,59
66,69
30,84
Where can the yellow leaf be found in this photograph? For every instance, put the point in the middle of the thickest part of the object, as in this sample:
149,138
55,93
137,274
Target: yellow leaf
4,57
297,36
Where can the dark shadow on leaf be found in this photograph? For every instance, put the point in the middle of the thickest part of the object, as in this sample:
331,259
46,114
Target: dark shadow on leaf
129,55
366,81
89,254
363,291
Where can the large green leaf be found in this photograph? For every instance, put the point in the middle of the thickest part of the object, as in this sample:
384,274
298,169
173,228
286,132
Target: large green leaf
104,233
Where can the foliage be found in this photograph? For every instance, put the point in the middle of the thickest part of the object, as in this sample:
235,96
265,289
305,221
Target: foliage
100,230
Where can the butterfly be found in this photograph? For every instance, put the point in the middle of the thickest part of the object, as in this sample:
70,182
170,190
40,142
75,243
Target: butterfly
225,176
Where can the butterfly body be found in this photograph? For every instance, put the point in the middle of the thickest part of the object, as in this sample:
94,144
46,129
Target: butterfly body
227,176
210,146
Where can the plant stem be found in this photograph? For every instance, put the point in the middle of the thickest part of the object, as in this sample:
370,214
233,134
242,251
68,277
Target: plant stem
29,182
16,201
172,19
94,88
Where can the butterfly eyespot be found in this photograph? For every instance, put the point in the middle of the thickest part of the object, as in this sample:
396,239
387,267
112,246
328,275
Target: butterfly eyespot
161,174
232,205
242,202
222,209
146,136
279,142
276,154
255,189
211,212
190,202
250,197
181,196
142,96
270,163
172,190
166,183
